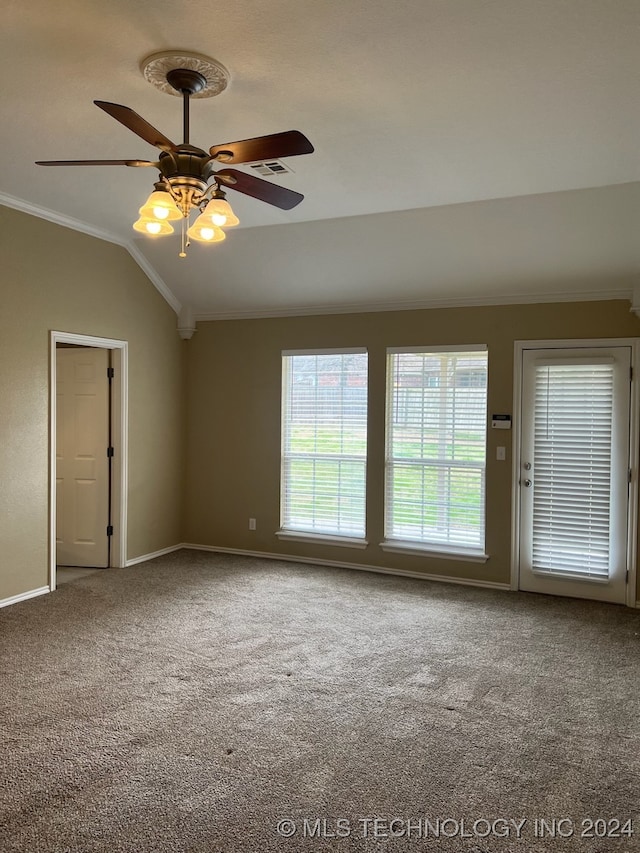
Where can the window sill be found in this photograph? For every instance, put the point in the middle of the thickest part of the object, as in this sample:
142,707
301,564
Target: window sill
400,546
321,538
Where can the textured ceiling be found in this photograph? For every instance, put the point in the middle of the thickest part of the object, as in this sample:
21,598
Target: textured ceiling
465,149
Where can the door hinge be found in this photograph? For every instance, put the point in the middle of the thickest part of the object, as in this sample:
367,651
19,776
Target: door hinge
110,452
110,530
110,373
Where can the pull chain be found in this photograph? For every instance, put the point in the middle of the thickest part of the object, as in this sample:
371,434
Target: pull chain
183,252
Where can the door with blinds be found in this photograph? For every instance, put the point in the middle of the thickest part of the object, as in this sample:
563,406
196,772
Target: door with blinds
574,472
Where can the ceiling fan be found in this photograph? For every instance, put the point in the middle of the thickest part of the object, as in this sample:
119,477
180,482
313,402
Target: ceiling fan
186,172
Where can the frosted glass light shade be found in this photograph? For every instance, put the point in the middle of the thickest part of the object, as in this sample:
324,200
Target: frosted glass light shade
152,227
205,231
220,213
160,205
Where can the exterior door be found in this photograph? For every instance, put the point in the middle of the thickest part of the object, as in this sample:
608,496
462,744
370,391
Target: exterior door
574,472
82,464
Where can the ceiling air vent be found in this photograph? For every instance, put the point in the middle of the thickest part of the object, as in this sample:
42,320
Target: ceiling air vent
271,167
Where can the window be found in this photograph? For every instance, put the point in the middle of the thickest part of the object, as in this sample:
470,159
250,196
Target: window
436,449
574,444
324,443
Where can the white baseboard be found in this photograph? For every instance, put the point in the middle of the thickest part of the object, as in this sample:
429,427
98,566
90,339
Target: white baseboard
144,557
24,596
33,593
338,564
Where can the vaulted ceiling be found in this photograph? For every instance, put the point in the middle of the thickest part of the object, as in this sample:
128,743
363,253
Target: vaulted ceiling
465,150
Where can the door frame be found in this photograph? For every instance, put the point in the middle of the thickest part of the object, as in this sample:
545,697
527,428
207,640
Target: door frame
634,437
119,441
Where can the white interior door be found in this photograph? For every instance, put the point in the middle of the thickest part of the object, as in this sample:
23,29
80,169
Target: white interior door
574,472
82,465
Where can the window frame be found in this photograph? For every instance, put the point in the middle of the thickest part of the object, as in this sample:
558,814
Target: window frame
520,347
423,547
312,536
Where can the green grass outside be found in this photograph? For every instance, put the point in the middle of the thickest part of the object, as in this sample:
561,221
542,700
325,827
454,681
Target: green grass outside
468,447
416,488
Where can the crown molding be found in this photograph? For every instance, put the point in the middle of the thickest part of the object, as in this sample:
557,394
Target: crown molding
58,218
421,304
100,234
631,294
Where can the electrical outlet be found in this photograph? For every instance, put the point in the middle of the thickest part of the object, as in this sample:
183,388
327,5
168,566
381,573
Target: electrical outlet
252,524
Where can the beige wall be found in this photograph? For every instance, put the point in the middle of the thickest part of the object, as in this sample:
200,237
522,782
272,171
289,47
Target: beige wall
233,447
53,278
203,490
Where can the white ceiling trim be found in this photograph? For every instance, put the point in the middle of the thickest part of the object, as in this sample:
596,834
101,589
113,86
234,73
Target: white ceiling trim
631,294
77,225
421,304
58,218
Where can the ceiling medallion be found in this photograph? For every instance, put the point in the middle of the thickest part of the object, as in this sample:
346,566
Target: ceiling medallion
156,67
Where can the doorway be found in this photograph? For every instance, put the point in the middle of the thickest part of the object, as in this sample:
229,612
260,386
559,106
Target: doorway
88,452
575,463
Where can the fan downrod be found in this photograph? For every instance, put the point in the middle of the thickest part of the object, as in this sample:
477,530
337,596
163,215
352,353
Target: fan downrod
188,82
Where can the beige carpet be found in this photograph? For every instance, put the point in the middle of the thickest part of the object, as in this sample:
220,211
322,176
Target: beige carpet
194,702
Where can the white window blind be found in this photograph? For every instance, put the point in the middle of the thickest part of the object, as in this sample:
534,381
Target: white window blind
572,468
436,448
324,442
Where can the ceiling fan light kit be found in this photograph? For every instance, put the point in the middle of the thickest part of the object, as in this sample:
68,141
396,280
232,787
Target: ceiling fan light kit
220,211
187,179
160,205
205,231
152,227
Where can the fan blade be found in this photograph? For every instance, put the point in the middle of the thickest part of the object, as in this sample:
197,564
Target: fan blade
138,125
96,163
257,188
286,144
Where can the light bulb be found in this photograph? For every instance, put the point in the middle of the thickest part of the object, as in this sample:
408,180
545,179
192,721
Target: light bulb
205,231
160,205
152,227
219,212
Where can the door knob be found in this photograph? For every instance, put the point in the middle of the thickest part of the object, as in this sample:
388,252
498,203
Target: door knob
526,483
